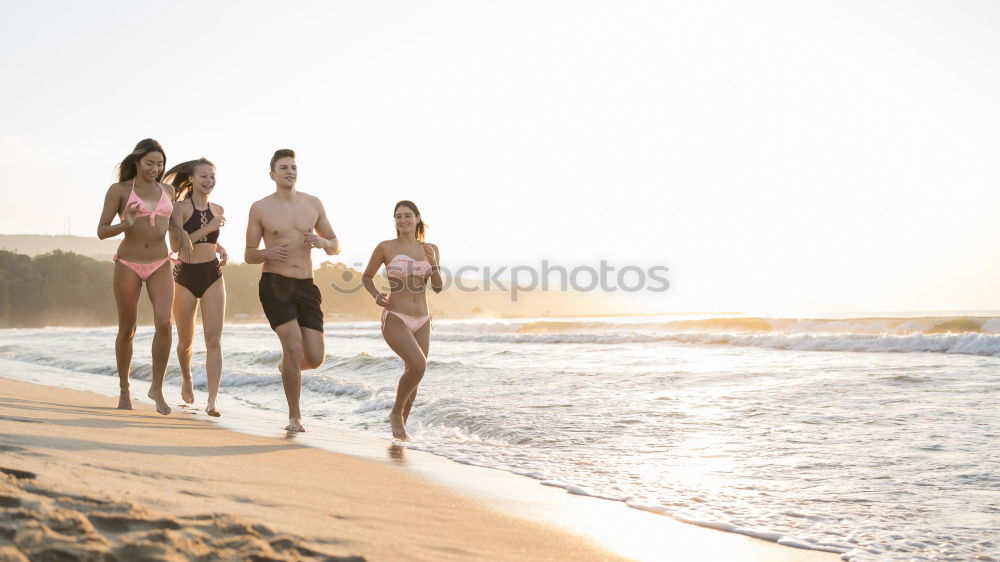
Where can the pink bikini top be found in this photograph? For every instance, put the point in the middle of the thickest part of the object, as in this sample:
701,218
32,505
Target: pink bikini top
403,265
163,207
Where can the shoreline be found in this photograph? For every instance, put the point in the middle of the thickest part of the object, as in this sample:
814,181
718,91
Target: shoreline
83,478
343,318
603,529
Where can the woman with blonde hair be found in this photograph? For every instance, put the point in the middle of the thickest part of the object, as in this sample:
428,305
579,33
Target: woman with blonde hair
198,276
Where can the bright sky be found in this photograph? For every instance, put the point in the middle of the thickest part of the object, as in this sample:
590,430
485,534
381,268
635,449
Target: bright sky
810,156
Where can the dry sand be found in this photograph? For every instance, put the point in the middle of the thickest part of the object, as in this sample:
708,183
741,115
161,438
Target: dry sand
82,480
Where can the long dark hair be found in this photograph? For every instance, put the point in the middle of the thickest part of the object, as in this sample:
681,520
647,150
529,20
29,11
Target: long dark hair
180,177
421,227
129,166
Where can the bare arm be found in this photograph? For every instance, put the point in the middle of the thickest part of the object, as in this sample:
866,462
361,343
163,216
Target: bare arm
175,242
175,227
255,232
219,250
326,240
368,277
213,225
112,202
178,237
434,257
223,254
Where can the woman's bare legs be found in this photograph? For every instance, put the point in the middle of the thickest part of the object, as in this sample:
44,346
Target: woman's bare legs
160,287
213,312
127,287
402,341
185,307
423,337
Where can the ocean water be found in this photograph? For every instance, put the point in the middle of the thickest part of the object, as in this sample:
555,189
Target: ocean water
877,438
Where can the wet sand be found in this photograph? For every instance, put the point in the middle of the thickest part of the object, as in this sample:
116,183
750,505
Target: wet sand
84,480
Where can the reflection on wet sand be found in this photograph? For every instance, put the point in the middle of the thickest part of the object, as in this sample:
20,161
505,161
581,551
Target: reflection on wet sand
397,453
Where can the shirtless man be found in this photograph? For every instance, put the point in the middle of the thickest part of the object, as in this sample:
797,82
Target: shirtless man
292,223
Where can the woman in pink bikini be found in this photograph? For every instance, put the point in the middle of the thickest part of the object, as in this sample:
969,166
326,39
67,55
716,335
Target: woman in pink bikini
143,206
406,323
199,274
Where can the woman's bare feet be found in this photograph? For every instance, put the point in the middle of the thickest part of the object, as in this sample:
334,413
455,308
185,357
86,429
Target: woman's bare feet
212,409
294,424
156,394
125,400
398,427
187,391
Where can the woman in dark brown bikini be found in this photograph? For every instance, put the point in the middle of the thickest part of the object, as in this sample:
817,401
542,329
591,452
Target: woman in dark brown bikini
198,276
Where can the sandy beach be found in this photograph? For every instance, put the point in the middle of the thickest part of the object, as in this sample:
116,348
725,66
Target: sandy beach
83,480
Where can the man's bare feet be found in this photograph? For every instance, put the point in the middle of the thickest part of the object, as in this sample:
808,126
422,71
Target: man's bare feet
398,427
294,424
187,391
161,405
125,400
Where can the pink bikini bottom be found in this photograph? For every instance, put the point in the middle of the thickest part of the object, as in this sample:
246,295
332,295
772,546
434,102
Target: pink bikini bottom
414,323
143,270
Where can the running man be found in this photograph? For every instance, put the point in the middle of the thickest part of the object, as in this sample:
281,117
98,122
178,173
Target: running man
291,223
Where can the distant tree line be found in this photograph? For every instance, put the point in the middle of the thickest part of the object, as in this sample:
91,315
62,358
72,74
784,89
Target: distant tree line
68,289
64,288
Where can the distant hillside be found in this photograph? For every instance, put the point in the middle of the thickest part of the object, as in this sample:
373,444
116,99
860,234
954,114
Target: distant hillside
61,288
36,244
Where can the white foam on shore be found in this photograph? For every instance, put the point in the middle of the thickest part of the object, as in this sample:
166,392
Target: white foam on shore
578,490
986,345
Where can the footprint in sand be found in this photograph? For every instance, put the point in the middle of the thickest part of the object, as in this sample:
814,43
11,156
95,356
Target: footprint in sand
19,474
45,523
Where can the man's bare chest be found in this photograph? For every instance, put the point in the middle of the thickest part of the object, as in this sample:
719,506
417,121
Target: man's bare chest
281,222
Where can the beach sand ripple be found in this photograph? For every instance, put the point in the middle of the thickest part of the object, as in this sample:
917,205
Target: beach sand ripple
44,523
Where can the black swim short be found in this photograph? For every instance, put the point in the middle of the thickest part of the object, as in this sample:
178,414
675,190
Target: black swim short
286,298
